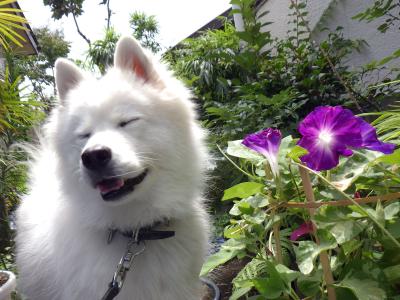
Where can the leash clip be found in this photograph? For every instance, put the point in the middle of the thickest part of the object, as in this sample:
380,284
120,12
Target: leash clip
126,261
137,238
124,266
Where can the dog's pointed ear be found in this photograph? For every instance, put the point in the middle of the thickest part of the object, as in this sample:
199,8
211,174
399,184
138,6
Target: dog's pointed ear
68,76
130,56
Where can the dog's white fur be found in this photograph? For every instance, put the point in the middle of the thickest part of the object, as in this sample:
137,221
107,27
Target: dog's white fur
62,223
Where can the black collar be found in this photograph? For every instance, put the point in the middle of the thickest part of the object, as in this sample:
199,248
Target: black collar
136,236
147,233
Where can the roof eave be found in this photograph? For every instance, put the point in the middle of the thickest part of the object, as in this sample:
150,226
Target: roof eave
28,33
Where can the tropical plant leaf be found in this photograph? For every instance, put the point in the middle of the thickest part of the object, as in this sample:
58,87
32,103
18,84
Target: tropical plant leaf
296,153
243,190
229,250
308,251
310,285
9,19
392,159
363,288
237,149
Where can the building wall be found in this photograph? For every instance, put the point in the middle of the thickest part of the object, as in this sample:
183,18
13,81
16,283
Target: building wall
331,14
2,63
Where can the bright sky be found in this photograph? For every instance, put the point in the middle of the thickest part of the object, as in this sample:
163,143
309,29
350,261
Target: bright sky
177,18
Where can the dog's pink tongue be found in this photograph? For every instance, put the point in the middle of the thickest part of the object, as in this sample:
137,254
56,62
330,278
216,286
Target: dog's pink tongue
110,185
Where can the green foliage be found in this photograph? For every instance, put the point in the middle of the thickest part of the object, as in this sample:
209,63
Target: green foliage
52,46
145,30
277,281
388,12
242,283
39,69
229,250
242,190
7,260
264,81
308,251
363,288
16,118
381,8
247,81
364,260
101,52
61,8
388,124
14,113
10,23
207,64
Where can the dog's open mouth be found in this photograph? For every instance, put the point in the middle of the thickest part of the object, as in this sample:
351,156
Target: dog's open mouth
114,188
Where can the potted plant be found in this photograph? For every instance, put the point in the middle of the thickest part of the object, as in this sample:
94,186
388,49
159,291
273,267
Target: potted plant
8,284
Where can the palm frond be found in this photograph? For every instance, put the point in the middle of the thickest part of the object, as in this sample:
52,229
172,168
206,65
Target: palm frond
9,22
388,124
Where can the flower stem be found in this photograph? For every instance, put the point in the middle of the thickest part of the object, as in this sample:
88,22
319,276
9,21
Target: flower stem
294,181
234,164
279,189
328,174
384,230
293,294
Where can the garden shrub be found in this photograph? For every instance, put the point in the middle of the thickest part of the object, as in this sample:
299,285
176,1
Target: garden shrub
246,81
243,87
17,116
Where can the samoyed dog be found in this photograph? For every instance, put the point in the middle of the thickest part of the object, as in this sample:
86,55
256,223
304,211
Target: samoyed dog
121,158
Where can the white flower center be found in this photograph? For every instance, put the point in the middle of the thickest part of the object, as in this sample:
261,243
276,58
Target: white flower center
325,137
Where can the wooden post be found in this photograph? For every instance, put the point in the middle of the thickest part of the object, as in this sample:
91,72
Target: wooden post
308,191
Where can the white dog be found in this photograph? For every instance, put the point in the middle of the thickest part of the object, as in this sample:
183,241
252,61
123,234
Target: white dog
123,152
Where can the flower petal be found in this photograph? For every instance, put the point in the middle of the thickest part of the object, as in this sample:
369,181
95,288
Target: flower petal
345,152
267,143
304,229
328,132
370,139
321,160
319,157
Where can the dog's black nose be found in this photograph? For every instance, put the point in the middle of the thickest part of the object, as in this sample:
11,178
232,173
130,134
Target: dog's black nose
96,157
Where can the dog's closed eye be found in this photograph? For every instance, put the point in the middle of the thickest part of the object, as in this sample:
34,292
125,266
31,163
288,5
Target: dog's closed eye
129,121
84,135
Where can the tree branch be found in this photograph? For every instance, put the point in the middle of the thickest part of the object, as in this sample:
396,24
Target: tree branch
109,12
79,31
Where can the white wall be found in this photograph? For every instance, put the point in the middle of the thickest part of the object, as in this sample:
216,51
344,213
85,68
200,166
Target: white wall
2,64
331,14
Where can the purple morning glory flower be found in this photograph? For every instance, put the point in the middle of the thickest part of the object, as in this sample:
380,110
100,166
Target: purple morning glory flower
303,229
331,131
267,143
